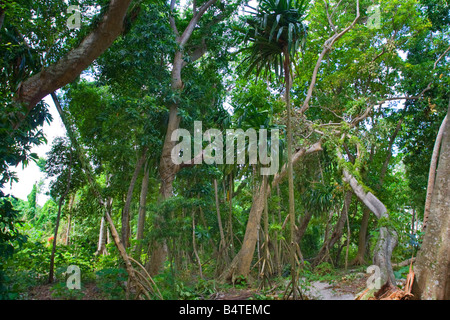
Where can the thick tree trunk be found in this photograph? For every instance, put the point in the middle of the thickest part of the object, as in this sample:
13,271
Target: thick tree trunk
387,239
68,68
303,226
432,172
432,268
167,172
240,266
362,239
167,169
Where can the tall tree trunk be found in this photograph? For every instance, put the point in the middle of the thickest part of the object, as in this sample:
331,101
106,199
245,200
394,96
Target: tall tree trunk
167,172
101,246
432,267
240,266
142,210
71,201
293,245
432,173
58,218
126,231
167,169
362,239
230,215
388,237
222,245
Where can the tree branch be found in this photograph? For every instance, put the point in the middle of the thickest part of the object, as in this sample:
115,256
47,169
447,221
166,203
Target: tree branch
68,68
190,28
326,48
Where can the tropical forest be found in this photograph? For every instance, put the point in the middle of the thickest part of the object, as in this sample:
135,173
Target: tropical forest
275,150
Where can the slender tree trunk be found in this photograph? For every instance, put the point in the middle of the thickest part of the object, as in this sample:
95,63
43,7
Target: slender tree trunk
71,201
101,247
293,244
142,210
126,231
67,240
230,216
58,218
337,232
432,268
55,236
194,246
222,245
277,243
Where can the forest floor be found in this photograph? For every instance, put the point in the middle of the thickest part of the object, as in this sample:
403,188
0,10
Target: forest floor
342,288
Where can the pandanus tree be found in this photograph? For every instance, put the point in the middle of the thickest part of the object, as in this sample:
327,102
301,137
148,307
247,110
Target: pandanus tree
277,32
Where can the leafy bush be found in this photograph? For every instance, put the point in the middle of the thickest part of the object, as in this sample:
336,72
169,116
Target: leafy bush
111,282
61,292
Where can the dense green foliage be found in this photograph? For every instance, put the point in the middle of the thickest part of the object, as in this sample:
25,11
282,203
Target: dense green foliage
379,97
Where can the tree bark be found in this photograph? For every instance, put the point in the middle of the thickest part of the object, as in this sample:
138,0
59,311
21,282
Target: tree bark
126,231
101,246
142,211
337,232
222,245
240,266
432,268
303,226
167,169
432,172
362,238
68,68
387,239
71,201
58,218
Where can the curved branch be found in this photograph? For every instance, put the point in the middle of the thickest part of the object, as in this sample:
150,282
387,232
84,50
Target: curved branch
68,68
